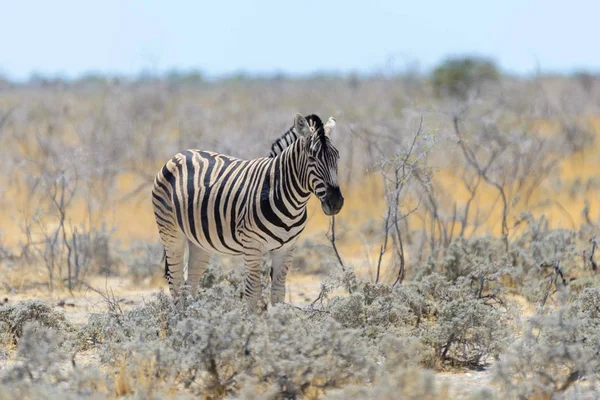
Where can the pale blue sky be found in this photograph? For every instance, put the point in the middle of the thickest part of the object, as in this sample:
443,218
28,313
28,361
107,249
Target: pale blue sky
70,38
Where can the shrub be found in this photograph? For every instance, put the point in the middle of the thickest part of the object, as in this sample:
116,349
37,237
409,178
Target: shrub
472,318
44,369
464,256
208,345
14,317
558,349
459,75
380,309
462,323
40,350
467,333
543,258
303,357
142,260
398,377
539,261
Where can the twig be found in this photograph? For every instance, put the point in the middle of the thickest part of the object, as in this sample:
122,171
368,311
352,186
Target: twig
472,188
331,237
320,297
559,272
594,245
553,280
400,253
383,245
114,307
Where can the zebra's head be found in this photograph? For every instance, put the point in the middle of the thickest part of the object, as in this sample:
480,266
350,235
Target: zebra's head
322,164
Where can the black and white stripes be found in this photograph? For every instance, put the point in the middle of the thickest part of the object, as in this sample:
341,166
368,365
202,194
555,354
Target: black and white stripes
290,136
213,203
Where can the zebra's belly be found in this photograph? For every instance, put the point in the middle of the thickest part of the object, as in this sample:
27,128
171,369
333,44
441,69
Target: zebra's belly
273,238
224,241
215,235
215,248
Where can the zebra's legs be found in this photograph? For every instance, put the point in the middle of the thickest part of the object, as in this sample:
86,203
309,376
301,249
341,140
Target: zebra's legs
197,263
174,263
281,263
252,287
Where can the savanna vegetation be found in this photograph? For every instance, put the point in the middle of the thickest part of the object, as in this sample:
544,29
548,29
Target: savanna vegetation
467,245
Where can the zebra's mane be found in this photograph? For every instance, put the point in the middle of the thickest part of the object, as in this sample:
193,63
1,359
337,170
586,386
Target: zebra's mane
315,123
325,149
290,136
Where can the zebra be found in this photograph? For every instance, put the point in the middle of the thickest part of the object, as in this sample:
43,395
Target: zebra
213,203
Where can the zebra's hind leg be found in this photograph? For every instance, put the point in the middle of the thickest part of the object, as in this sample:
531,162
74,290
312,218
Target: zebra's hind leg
281,263
174,261
197,264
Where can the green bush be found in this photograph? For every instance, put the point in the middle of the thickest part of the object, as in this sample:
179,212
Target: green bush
458,76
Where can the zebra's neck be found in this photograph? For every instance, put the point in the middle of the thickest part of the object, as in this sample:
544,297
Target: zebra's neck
293,167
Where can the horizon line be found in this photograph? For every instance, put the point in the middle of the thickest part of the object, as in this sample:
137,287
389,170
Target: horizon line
175,73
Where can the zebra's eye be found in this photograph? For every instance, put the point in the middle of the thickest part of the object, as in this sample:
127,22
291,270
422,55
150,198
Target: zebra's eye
312,158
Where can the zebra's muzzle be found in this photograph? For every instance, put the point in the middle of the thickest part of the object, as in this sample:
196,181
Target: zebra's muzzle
333,201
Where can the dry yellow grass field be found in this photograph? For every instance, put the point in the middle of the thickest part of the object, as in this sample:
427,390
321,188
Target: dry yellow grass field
129,210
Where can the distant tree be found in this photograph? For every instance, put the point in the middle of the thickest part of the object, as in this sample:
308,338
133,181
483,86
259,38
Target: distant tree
37,79
586,80
93,79
458,76
184,77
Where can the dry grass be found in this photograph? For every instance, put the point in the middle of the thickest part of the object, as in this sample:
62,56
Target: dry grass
130,215
112,140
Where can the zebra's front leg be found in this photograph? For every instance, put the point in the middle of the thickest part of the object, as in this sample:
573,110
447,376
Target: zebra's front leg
281,262
252,287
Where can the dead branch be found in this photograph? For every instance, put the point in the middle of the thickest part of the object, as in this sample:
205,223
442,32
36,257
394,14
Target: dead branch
331,236
482,171
594,245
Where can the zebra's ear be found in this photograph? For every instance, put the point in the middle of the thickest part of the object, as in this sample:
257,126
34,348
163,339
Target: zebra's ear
329,126
301,126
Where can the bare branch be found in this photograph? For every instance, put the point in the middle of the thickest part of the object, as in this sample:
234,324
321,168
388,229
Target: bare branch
331,236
